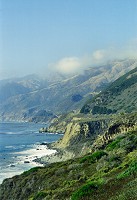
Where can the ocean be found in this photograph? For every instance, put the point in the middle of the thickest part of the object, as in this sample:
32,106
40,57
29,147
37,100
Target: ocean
20,144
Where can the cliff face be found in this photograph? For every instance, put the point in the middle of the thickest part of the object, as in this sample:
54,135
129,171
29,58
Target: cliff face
109,171
81,137
80,132
78,139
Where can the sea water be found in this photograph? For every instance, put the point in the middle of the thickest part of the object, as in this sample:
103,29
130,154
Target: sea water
20,144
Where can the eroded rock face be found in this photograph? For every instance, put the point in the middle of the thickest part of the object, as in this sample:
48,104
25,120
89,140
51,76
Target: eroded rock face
87,135
112,132
72,131
81,132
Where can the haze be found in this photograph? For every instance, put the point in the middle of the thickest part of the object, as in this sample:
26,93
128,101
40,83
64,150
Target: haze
38,36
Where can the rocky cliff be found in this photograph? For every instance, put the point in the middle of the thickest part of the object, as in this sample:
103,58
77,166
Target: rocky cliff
108,171
83,136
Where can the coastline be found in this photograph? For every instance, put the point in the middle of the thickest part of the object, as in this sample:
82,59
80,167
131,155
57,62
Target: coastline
25,160
30,156
21,146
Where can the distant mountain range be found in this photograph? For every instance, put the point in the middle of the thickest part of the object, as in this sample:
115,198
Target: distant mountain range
97,153
120,96
39,99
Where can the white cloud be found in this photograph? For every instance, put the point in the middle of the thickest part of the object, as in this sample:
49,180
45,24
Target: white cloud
98,55
69,65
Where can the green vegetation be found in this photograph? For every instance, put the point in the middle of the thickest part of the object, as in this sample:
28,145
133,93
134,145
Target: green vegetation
39,196
34,169
103,174
104,149
114,144
28,97
84,191
102,110
93,158
85,109
131,170
120,96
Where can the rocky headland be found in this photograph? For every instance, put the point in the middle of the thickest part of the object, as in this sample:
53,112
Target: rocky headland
82,137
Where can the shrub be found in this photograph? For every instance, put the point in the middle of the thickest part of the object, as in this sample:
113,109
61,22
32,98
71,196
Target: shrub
40,196
94,157
84,191
129,143
34,169
114,144
102,110
131,170
85,109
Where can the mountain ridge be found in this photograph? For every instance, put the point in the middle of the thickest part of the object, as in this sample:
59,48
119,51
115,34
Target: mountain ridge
63,96
95,159
112,98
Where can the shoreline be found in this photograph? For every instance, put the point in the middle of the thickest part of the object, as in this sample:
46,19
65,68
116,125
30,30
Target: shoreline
39,150
25,160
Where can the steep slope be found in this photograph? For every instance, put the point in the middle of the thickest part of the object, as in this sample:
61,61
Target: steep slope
109,172
12,89
64,95
81,129
31,81
82,132
104,152
120,96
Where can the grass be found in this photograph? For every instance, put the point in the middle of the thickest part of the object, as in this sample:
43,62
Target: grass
93,157
32,170
131,170
114,144
40,195
105,174
84,191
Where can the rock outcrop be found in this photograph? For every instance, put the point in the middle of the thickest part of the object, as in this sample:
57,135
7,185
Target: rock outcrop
80,132
82,137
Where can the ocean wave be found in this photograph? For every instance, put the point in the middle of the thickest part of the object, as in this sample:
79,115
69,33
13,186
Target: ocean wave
9,173
9,147
15,147
8,133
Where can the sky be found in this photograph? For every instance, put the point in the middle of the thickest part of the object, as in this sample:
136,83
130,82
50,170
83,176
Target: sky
38,36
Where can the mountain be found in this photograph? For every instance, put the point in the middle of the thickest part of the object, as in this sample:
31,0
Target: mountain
81,129
95,159
120,96
12,89
58,95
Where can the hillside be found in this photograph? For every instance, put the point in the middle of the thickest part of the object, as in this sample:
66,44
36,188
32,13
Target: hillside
95,160
120,96
81,129
108,171
57,94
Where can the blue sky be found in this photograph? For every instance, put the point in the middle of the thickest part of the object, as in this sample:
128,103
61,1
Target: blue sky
42,35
